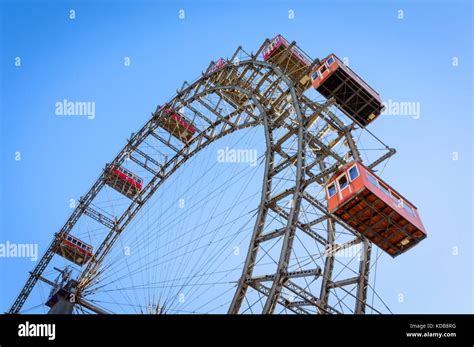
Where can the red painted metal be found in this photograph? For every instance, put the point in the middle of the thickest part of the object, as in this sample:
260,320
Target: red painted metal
374,209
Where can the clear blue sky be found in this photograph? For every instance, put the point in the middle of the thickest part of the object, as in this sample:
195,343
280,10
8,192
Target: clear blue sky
82,59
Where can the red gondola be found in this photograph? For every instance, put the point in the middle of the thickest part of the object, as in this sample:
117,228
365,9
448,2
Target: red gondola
124,181
334,79
374,209
292,61
74,250
219,64
177,125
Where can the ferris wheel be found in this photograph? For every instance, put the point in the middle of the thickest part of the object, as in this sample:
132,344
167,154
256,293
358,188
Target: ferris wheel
253,190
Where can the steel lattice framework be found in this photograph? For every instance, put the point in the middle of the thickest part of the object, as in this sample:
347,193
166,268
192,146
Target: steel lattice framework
248,92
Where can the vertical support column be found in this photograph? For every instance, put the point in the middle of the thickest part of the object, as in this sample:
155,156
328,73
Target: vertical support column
363,281
63,294
63,306
364,265
328,265
281,274
251,258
